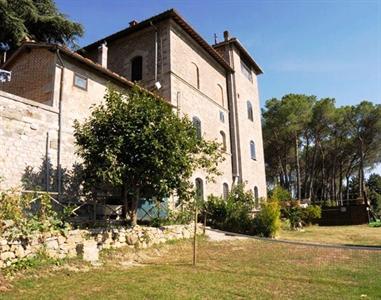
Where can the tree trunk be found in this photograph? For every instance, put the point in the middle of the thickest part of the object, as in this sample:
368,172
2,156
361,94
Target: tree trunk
341,185
134,208
312,172
298,187
361,170
306,173
347,183
125,202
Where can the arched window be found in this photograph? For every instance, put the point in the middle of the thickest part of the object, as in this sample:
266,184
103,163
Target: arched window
199,189
197,126
221,94
223,140
252,150
256,197
250,111
137,68
196,76
225,191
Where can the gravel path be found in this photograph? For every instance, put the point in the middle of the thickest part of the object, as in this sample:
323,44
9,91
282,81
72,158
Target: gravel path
219,235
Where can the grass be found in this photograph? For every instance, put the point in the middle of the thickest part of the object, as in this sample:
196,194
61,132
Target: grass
347,235
225,270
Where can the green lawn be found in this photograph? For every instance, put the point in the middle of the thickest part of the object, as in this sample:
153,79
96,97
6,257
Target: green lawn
349,235
226,270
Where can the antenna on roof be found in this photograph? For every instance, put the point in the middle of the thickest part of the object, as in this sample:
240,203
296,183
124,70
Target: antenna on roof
215,38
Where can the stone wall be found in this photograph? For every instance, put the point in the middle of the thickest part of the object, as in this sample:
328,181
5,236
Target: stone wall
28,135
74,242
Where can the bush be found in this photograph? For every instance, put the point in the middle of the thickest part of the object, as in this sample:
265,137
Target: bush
300,216
293,213
12,206
311,214
267,221
181,216
232,214
27,216
375,224
375,200
279,194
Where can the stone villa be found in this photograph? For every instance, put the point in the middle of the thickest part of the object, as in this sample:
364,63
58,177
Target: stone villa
214,85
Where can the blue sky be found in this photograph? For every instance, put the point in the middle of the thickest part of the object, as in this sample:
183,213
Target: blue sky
325,48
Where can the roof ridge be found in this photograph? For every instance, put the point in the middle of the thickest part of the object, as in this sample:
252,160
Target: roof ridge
171,13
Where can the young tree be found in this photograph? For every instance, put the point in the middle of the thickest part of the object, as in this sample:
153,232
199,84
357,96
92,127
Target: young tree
136,143
39,20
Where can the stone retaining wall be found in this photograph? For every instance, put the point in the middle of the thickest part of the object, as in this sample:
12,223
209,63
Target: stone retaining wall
74,242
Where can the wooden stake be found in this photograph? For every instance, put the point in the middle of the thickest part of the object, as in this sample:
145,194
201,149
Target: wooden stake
195,235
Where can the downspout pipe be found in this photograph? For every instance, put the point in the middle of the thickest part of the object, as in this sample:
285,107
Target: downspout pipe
156,48
59,168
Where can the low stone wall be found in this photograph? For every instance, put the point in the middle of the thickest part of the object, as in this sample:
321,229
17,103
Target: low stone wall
74,242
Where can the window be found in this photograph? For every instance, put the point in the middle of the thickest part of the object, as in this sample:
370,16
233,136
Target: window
199,189
196,76
250,111
221,94
223,140
225,191
197,126
246,71
256,197
222,117
252,151
137,68
80,81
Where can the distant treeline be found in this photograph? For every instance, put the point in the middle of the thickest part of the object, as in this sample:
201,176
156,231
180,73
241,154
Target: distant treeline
313,148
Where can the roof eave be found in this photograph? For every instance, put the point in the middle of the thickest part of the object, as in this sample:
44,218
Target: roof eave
258,70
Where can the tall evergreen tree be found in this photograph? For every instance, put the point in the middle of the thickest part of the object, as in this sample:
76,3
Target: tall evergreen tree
38,20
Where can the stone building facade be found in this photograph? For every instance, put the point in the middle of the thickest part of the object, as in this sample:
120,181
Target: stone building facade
215,85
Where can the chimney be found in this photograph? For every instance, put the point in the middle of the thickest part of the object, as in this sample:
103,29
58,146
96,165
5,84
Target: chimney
133,23
102,55
226,35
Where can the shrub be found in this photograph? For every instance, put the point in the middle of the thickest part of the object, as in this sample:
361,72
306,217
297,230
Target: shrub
375,200
311,214
175,217
279,194
267,221
375,224
12,206
217,211
27,216
232,214
294,214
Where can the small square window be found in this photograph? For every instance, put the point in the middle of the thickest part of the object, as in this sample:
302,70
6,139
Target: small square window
222,117
80,81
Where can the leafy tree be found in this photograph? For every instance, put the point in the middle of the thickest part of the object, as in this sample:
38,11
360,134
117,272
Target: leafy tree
39,20
365,124
137,144
287,120
374,183
312,147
